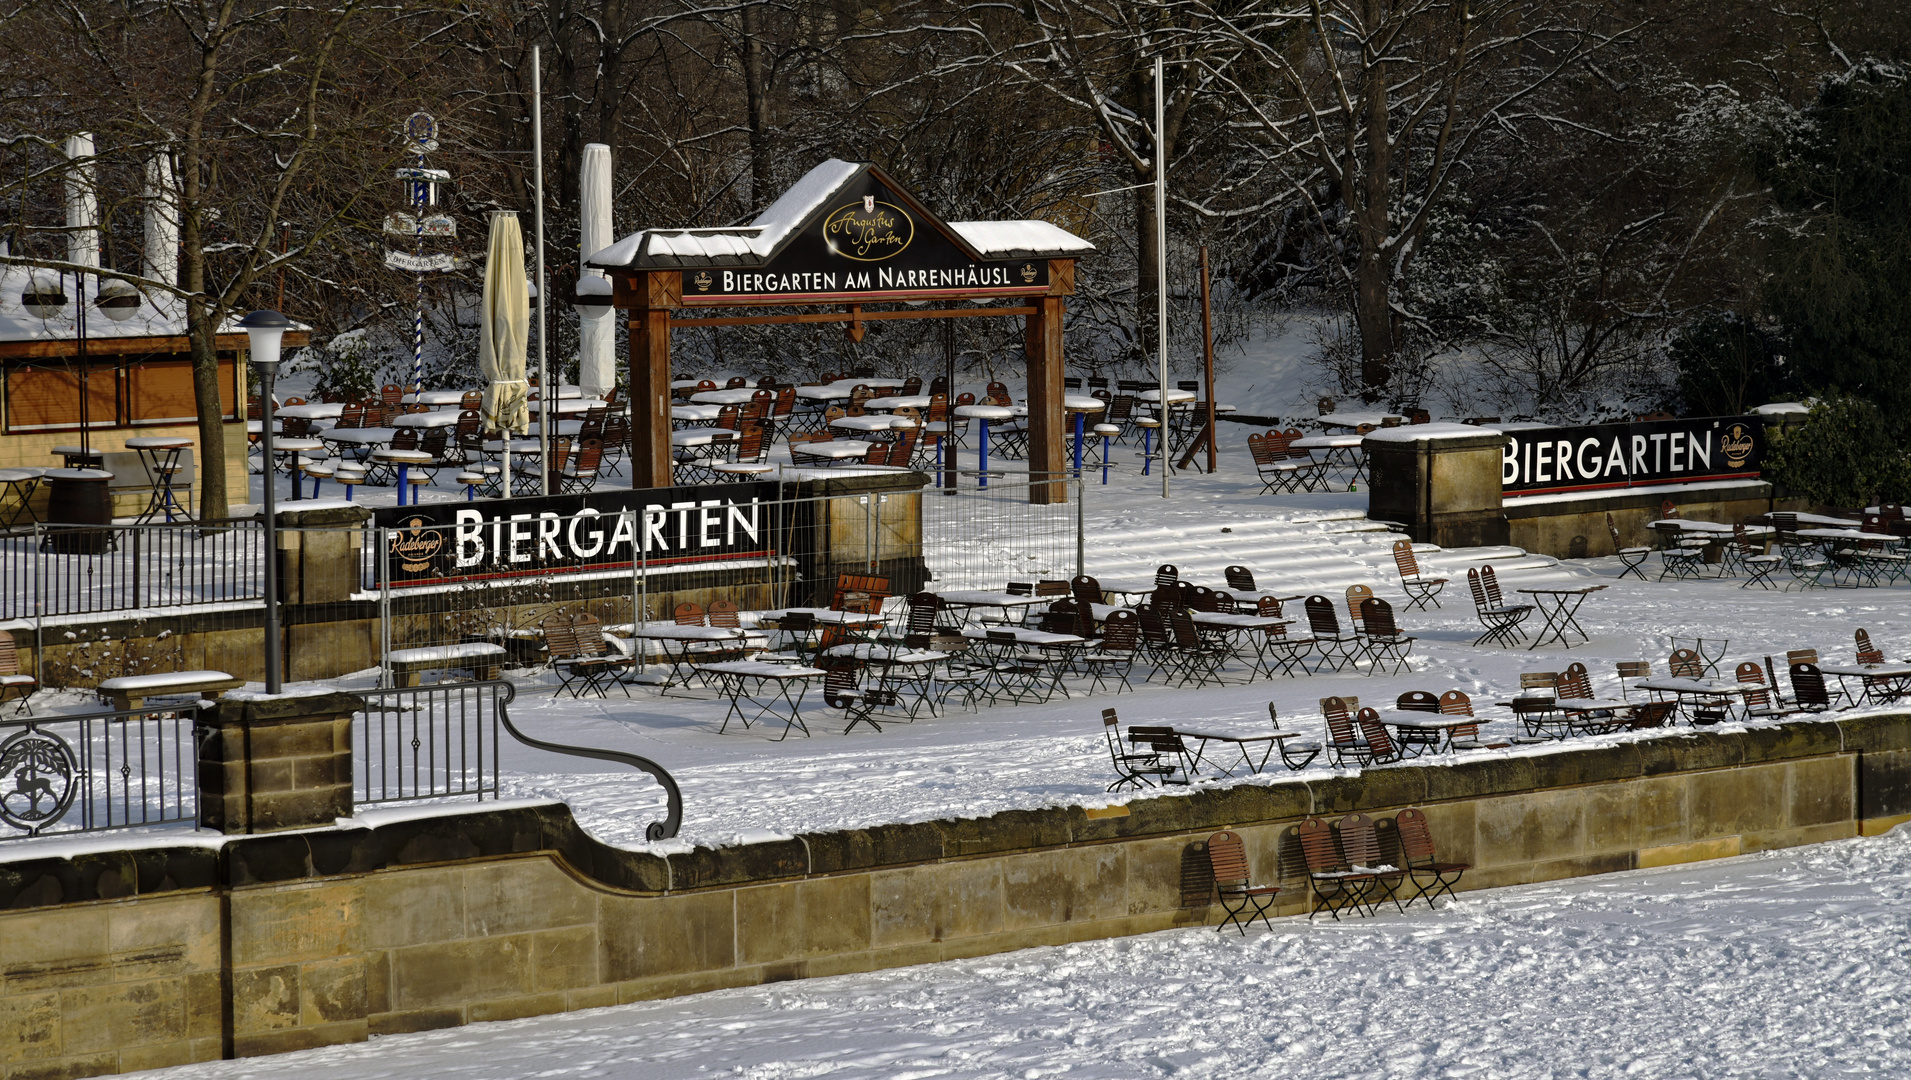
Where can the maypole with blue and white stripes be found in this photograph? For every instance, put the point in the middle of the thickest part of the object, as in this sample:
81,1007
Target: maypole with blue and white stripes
417,222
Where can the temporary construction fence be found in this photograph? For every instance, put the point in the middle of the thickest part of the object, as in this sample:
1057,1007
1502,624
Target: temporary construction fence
447,578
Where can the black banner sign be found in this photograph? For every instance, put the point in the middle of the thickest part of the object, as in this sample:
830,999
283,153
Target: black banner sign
591,532
867,245
1589,458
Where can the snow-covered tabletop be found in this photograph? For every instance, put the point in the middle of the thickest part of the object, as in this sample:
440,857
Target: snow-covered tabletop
758,669
985,412
828,615
897,401
987,598
184,680
362,436
695,414
701,436
1328,442
1844,534
1358,419
1174,396
835,449
871,423
742,395
1680,685
322,410
435,418
158,442
1024,635
470,650
672,632
1235,620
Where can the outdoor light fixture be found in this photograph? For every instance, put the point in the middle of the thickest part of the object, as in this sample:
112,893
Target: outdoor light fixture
266,329
117,300
44,297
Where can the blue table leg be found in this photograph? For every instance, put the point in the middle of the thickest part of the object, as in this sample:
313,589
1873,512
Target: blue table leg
939,441
1104,460
1078,444
404,481
982,454
1147,456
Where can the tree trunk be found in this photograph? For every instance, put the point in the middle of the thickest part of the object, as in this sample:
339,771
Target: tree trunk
756,88
1147,237
1372,275
202,328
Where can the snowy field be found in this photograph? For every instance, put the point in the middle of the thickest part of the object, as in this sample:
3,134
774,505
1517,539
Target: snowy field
1785,964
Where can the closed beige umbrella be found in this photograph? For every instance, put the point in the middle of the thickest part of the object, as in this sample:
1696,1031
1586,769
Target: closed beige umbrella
504,327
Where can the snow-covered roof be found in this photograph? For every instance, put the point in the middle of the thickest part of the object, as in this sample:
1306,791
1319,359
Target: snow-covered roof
1782,408
757,242
159,314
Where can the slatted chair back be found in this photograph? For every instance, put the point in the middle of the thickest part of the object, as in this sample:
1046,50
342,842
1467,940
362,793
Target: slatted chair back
903,450
1418,701
1651,714
1061,618
470,421
295,426
920,621
1268,607
1416,840
1339,712
1872,523
1239,578
1227,858
997,394
353,415
1166,598
435,442
723,613
727,418
1685,664
1167,574
785,403
560,637
1263,451
1403,559
1863,639
1154,627
1492,582
841,677
1321,618
1186,637
1319,848
1120,631
1021,588
1122,408
1668,510
860,394
472,400
1086,590
688,614
1575,681
1377,735
912,386
964,399
1751,673
1202,599
877,454
390,393
1376,618
1539,680
862,593
404,439
1359,840
1808,687
1612,530
1632,669
9,656
1051,587
1356,596
1802,656
754,446
1224,602
1456,703
1478,586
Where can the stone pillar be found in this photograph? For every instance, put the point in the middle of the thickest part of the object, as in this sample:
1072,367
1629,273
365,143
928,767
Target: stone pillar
1440,480
320,553
273,763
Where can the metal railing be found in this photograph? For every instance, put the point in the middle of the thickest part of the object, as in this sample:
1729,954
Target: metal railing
89,772
54,570
443,741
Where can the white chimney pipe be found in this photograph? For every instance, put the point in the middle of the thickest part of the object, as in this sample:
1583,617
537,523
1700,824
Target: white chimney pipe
82,203
162,220
597,323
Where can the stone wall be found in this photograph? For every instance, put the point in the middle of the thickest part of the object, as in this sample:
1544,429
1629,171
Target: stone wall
148,956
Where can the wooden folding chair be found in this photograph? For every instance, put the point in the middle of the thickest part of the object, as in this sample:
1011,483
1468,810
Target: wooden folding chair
1234,883
1430,877
1420,589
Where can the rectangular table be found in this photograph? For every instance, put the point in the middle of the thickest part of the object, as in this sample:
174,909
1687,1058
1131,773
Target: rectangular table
970,599
1898,674
1000,659
739,680
685,637
910,673
1440,724
1242,743
1684,688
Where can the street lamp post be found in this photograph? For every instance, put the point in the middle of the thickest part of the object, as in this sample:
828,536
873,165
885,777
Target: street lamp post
266,329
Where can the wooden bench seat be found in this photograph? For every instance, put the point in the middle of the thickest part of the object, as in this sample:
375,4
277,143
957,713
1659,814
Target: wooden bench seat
482,661
129,692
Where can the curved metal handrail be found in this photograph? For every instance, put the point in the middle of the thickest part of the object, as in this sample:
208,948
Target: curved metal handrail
657,830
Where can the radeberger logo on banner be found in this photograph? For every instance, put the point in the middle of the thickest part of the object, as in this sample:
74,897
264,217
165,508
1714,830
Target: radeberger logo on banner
1738,445
414,543
869,231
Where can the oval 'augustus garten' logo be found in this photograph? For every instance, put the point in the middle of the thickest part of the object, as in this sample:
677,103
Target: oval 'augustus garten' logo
415,542
868,231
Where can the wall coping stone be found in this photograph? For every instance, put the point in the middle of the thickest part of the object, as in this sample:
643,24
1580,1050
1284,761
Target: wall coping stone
316,854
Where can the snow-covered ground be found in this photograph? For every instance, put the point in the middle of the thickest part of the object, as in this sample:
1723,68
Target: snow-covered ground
1784,964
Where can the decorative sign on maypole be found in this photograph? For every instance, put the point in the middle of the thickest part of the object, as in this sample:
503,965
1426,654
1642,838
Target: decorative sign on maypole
419,223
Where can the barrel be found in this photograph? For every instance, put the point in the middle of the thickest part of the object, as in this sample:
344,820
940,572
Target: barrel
78,497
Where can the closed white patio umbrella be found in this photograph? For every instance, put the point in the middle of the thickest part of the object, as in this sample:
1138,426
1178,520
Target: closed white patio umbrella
505,326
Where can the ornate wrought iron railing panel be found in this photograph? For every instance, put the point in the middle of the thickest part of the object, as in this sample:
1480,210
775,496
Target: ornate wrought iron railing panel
89,772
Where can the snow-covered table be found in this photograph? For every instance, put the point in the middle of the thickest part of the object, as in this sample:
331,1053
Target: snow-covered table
971,599
741,680
128,693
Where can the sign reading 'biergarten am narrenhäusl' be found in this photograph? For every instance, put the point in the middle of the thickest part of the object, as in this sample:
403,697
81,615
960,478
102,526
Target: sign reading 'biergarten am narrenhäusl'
1538,461
597,531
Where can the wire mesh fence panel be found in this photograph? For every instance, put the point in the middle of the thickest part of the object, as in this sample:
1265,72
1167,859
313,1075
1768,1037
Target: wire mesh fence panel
101,770
58,570
982,538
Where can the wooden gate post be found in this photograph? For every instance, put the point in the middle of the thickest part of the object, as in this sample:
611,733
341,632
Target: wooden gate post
1048,430
651,296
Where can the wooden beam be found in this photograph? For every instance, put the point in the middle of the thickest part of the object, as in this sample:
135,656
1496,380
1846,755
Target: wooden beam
67,348
650,386
1047,422
843,317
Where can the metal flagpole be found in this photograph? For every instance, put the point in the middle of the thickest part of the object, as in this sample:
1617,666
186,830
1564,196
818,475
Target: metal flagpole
1161,280
545,389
